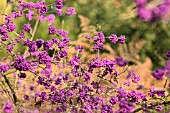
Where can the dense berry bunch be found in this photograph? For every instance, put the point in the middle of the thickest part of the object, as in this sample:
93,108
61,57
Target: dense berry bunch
153,14
8,107
68,84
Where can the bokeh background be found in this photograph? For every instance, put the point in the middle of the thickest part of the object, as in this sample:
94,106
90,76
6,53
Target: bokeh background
146,42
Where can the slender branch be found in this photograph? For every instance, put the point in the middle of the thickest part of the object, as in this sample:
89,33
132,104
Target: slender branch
16,33
123,71
102,77
151,106
77,53
6,91
33,33
165,82
55,50
12,90
98,52
10,72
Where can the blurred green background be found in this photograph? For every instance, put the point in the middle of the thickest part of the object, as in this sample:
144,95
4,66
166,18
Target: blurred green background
114,16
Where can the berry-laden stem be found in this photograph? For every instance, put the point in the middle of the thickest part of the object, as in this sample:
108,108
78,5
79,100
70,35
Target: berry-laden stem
10,87
151,106
33,33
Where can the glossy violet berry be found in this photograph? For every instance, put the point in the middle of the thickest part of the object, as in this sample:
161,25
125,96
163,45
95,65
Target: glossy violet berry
31,87
26,97
22,75
168,53
39,42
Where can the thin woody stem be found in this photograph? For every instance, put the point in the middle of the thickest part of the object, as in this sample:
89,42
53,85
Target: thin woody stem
151,106
165,82
6,91
33,33
98,52
10,87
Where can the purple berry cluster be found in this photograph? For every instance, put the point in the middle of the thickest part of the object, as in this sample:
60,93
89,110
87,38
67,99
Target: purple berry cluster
153,14
161,72
59,6
99,40
114,39
63,82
